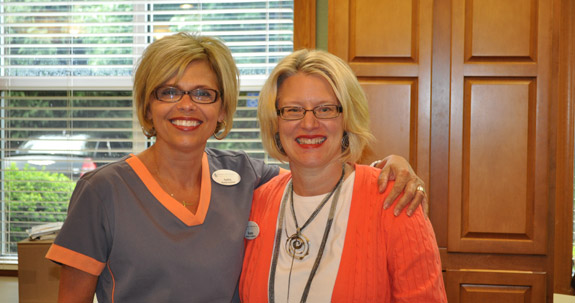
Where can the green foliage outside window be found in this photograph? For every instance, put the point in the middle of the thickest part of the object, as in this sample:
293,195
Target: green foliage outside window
34,196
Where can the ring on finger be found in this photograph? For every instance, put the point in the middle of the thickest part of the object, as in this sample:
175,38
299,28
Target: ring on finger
420,188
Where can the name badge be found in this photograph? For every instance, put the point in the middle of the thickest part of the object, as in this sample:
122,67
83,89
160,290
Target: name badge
252,231
226,177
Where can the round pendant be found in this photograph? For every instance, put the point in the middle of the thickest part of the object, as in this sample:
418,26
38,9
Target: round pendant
297,246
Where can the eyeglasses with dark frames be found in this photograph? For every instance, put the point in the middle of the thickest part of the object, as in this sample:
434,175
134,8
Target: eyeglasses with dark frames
321,112
172,94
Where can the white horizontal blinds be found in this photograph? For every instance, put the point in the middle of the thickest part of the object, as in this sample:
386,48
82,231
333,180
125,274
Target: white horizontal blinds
65,82
245,131
62,39
68,38
259,33
245,134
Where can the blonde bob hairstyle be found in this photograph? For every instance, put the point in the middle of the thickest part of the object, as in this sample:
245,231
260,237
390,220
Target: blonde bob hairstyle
169,57
345,86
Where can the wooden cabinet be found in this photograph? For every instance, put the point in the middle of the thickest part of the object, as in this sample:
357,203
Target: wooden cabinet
498,157
465,89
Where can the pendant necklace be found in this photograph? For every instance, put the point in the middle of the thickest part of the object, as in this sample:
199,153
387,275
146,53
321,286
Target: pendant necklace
184,203
297,245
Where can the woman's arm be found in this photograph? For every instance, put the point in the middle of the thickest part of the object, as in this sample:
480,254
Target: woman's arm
76,286
397,168
413,259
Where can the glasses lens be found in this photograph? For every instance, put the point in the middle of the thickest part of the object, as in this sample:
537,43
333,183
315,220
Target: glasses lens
292,112
326,111
202,95
168,94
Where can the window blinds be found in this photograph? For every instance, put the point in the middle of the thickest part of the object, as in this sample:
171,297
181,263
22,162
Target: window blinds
65,82
68,43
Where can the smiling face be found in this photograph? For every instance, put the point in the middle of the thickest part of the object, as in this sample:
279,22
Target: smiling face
309,142
186,124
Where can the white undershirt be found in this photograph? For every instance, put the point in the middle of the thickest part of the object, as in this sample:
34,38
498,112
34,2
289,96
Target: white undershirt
324,280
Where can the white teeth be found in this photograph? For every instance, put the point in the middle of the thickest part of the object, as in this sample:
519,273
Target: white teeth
310,141
186,123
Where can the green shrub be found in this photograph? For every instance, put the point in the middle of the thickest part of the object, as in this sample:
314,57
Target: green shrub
33,197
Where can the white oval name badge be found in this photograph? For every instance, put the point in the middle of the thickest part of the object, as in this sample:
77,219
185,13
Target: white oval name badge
226,177
252,231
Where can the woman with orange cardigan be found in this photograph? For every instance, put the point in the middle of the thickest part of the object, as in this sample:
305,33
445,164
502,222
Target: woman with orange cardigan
320,233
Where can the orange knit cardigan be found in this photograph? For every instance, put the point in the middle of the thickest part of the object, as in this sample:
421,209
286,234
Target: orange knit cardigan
385,258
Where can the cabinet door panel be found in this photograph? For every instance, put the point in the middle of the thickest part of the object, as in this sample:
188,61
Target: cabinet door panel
396,21
393,108
494,287
501,30
499,128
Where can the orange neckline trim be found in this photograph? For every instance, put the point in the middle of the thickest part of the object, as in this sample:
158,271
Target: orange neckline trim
171,204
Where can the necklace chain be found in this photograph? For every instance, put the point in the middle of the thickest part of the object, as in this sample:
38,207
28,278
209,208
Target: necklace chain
315,212
271,284
157,171
184,203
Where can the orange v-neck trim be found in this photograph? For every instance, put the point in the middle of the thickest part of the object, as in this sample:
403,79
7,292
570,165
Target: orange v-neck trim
171,204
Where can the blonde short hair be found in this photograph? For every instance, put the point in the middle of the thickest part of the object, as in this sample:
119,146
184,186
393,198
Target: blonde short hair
169,57
345,86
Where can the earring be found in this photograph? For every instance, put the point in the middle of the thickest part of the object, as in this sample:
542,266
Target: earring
344,142
149,133
220,126
279,143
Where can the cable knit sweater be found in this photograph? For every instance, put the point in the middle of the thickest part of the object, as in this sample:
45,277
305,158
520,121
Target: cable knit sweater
385,258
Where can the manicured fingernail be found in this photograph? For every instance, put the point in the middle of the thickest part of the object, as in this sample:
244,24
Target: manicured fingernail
396,213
